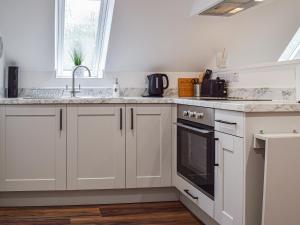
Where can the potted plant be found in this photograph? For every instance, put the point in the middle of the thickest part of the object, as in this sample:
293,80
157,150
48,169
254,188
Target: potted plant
77,58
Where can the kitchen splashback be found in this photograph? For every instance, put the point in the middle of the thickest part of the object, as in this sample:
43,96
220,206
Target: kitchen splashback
287,94
93,92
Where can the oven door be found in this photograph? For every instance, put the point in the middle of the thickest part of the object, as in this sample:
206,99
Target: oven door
196,155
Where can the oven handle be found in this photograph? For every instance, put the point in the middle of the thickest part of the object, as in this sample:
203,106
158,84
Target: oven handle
193,128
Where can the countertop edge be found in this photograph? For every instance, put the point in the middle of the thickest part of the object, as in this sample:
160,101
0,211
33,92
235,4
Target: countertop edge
240,106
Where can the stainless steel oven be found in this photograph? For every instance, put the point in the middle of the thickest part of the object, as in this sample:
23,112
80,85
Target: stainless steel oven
196,147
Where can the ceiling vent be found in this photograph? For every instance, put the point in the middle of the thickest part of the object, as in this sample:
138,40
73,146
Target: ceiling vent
223,7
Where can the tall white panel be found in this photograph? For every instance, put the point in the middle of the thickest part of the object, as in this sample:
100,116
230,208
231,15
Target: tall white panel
298,83
1,67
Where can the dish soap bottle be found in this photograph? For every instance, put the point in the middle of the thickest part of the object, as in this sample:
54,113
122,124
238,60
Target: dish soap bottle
116,89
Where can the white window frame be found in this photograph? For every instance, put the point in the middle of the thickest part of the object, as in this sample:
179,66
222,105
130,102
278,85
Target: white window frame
102,38
292,49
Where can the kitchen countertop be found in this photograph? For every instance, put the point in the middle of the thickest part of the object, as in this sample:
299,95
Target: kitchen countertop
242,106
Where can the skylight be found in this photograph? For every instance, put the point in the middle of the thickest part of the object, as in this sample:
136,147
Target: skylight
292,51
82,29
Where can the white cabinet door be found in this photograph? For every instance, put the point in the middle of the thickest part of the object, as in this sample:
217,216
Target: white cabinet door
33,148
96,147
229,182
148,146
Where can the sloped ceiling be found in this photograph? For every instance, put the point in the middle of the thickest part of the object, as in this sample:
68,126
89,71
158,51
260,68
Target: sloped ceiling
160,35
155,35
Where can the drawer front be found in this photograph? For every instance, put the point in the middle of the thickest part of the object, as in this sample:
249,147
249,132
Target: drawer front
230,122
196,196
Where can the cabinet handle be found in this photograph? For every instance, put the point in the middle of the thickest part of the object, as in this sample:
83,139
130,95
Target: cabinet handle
121,119
131,118
192,196
226,122
60,120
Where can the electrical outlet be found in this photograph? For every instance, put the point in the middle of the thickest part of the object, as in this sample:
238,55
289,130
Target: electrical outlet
230,77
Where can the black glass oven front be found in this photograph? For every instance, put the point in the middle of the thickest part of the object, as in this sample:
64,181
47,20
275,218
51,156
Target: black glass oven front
196,155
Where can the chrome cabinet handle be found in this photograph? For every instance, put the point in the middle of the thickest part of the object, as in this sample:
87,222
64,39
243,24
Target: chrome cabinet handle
192,196
226,122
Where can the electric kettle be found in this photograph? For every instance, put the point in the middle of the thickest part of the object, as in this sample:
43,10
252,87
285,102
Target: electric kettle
156,85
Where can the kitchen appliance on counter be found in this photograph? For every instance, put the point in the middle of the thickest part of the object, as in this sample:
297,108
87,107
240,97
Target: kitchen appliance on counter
12,85
213,87
156,85
196,147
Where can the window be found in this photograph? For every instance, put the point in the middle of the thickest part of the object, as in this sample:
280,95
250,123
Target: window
82,33
292,51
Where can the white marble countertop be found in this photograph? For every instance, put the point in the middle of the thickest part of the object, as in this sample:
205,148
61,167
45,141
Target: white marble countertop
242,106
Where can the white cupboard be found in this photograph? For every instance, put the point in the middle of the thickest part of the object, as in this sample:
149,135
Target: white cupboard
229,179
33,148
96,147
85,147
148,146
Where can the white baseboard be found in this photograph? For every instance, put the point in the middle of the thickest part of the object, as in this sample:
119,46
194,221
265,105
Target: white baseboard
58,198
200,214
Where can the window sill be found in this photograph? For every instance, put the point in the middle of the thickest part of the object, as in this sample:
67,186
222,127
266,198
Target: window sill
77,78
68,75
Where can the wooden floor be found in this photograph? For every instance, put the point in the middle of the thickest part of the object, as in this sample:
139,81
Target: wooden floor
168,213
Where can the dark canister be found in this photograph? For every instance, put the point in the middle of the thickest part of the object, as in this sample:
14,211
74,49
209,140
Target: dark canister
12,85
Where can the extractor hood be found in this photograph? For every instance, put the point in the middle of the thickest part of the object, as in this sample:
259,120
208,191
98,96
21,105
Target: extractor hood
223,7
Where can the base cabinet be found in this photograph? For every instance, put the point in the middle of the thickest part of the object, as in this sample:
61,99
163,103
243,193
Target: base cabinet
229,181
148,146
85,147
33,148
96,147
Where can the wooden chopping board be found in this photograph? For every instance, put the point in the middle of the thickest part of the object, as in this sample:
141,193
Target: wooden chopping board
185,87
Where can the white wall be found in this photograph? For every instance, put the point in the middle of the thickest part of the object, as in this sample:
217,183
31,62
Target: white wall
28,31
150,35
126,79
147,35
1,69
261,34
266,75
160,35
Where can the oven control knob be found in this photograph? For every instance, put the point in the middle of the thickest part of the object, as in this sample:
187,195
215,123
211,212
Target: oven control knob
199,115
185,113
191,114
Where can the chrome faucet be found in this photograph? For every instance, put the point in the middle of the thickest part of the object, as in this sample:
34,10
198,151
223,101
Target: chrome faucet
73,91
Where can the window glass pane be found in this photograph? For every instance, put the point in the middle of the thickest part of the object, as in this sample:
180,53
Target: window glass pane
292,51
297,56
81,24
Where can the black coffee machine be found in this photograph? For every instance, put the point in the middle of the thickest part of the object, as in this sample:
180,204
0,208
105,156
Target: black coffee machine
213,88
156,85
